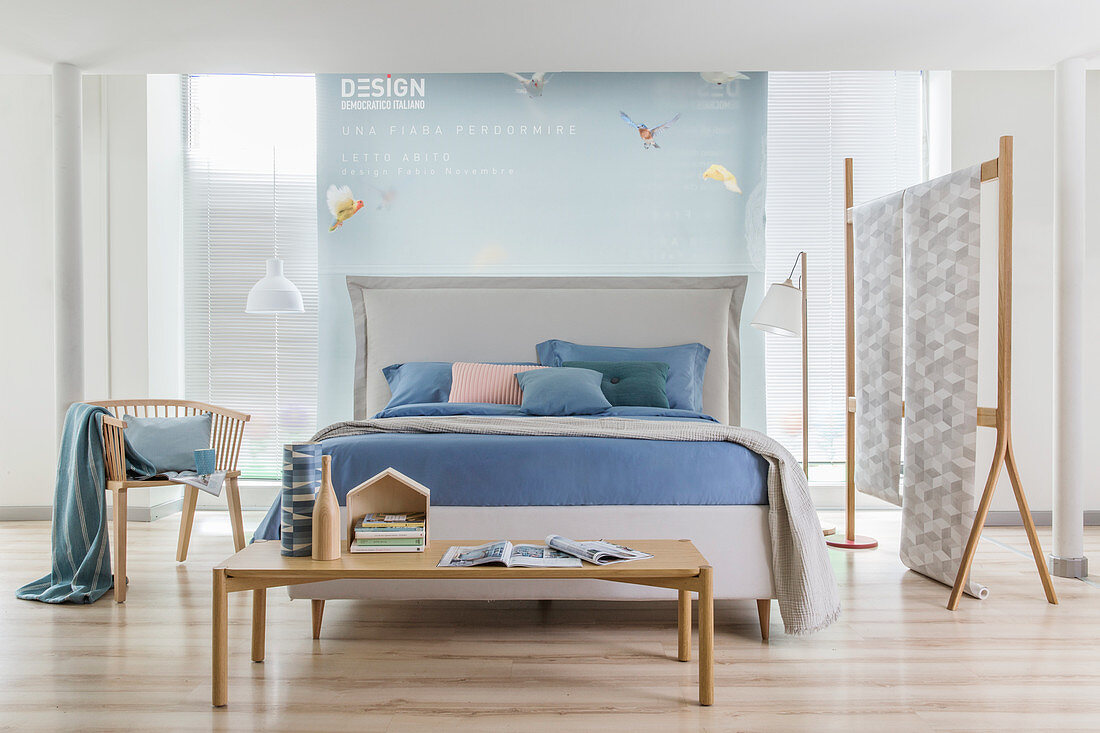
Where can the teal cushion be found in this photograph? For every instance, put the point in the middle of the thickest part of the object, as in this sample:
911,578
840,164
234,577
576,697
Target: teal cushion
169,443
687,365
630,383
561,391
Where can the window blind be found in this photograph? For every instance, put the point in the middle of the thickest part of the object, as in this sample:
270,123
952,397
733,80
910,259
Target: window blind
815,120
249,193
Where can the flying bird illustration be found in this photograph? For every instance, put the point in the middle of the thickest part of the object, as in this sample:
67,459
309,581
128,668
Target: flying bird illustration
721,77
647,133
386,197
342,205
532,86
720,173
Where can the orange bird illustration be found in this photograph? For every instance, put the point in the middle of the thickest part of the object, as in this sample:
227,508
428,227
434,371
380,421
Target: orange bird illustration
647,133
342,205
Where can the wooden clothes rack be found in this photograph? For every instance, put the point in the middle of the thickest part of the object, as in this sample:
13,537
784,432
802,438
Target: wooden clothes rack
999,417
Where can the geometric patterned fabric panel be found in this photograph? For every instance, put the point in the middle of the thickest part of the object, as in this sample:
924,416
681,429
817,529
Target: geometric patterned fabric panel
942,233
878,267
301,479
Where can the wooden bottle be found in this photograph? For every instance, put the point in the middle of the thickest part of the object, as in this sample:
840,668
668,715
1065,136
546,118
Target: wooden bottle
326,517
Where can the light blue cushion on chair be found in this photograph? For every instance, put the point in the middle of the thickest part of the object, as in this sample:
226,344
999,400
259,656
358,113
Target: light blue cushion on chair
562,391
687,365
169,443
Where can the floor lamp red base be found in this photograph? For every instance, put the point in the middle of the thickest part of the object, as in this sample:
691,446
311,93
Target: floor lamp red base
841,542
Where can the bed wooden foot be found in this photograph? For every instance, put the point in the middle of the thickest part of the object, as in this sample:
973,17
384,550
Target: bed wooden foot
318,609
764,611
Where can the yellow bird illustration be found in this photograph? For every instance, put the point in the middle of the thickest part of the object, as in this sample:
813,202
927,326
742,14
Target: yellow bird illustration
721,77
342,205
719,173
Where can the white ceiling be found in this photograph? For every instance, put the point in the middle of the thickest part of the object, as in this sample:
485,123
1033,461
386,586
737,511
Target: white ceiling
122,36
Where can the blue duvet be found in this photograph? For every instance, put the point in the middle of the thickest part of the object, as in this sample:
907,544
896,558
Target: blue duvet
523,470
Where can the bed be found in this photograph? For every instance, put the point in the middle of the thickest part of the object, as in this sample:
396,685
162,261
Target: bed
524,487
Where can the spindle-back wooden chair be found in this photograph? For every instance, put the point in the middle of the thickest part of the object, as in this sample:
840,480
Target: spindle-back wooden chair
225,437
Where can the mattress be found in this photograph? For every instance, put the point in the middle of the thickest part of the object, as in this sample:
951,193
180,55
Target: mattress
513,470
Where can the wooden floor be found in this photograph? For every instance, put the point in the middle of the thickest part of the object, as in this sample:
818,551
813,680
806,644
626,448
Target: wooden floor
897,660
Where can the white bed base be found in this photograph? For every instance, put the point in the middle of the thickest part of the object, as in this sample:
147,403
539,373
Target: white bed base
501,319
735,539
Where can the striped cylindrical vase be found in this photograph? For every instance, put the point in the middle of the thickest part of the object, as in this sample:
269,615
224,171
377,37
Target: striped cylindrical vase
301,479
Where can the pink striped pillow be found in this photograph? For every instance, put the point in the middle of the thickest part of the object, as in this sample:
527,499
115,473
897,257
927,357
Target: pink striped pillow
494,383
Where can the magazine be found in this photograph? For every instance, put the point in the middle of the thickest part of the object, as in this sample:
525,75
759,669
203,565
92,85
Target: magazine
211,483
505,553
598,552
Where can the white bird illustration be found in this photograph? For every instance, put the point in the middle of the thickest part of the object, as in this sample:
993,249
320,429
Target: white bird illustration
532,86
721,77
342,204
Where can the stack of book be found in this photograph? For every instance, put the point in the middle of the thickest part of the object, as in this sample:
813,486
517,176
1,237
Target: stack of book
381,532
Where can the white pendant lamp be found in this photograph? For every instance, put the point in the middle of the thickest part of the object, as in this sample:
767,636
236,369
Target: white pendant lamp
274,293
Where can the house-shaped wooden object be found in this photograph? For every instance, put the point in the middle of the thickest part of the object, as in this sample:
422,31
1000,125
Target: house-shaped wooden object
391,492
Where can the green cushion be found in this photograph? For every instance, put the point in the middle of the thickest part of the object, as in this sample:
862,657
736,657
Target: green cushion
630,383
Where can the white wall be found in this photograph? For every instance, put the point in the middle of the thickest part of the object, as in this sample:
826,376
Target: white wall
27,432
131,256
984,106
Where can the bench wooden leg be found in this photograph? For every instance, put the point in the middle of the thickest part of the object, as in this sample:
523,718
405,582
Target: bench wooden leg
233,499
706,636
764,611
259,620
219,680
684,621
317,607
187,519
120,544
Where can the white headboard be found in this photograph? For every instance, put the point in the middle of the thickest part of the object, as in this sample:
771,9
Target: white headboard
400,319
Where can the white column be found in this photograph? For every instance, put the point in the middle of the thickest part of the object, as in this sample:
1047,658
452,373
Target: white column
1069,475
68,247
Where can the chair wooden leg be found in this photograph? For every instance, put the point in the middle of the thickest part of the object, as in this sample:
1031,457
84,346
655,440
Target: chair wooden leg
764,611
120,544
317,607
233,499
187,519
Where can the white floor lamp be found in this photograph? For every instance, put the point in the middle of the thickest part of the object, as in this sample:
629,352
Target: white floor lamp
783,312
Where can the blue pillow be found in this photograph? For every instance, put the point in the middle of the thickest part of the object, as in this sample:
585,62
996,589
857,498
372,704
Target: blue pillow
168,443
687,364
562,391
420,382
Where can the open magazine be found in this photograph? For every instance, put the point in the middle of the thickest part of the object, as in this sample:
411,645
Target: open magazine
211,483
598,552
505,553
558,552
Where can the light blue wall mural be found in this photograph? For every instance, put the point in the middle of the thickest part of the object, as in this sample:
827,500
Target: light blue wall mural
558,174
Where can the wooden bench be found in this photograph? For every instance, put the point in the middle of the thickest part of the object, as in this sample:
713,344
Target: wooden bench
675,564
